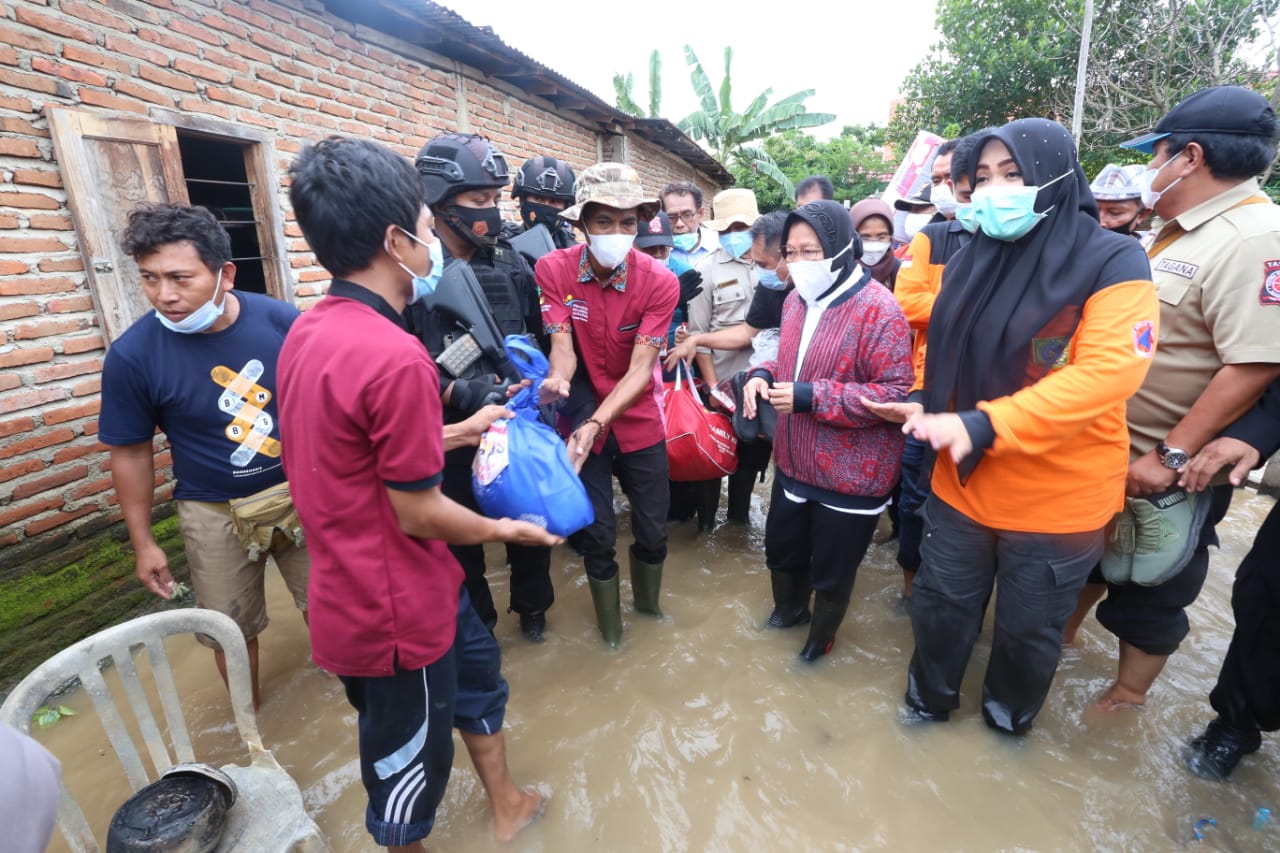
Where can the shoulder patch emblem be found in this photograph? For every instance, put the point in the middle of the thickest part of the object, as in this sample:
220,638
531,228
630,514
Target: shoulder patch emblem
1270,294
1144,338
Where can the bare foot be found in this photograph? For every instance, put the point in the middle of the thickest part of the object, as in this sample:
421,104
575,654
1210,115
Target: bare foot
515,816
1121,698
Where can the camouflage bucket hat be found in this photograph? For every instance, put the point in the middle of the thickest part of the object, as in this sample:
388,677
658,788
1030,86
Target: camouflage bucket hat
613,185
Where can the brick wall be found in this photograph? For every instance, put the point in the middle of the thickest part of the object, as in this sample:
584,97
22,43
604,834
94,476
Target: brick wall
276,65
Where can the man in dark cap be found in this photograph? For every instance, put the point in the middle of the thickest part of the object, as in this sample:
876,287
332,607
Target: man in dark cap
1215,260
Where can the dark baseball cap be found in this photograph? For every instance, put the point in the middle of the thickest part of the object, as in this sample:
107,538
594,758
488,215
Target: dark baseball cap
922,195
1218,109
654,232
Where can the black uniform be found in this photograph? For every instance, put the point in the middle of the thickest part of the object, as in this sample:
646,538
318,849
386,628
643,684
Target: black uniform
512,297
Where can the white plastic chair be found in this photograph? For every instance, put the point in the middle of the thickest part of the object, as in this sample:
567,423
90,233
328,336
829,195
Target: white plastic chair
268,815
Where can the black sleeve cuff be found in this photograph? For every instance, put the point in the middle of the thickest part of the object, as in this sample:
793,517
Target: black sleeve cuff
762,373
802,396
916,397
417,485
979,427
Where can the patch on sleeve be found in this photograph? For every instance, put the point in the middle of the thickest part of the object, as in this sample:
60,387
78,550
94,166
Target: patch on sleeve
1184,269
1270,294
1144,338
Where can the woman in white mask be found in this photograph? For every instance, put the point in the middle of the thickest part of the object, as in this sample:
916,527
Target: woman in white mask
843,338
873,220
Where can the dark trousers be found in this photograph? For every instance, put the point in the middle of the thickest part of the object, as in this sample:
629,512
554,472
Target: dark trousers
823,545
914,491
531,590
643,477
1039,576
1154,618
1247,695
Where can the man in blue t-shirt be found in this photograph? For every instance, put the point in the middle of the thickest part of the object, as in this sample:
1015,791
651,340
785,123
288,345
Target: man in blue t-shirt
202,368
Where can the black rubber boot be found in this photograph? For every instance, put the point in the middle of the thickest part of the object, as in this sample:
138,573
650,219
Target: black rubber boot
608,604
533,626
827,616
646,585
740,486
1214,754
790,600
708,492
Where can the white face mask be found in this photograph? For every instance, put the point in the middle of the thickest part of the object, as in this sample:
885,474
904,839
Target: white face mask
610,249
914,222
943,199
814,278
873,253
200,319
1144,181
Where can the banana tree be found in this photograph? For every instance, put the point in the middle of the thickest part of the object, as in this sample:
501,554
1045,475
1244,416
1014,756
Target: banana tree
624,86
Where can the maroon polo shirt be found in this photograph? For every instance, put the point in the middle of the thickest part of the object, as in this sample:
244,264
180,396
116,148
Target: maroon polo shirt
360,413
607,321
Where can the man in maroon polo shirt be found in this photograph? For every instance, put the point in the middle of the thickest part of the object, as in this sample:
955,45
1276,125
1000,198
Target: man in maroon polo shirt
606,307
360,406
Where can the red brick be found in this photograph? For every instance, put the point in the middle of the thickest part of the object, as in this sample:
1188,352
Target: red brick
68,304
318,60
35,528
22,105
129,47
71,413
20,469
297,69
9,381
62,265
37,177
29,82
31,244
75,53
51,372
9,222
47,328
254,118
235,10
313,275
201,70
278,78
95,98
27,510
143,93
163,39
305,101
95,14
26,41
336,110
30,355
90,428
196,106
249,51
271,43
71,346
272,9
35,201
78,451
15,426
92,487
51,222
19,148
29,399
23,126
218,22
50,24
178,25
52,481
253,87
16,310
87,387
227,96
67,72
278,110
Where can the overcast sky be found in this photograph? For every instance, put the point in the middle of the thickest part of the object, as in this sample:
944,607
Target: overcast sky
855,58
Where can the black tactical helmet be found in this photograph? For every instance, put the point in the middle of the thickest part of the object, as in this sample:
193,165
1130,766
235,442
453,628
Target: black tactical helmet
454,162
545,176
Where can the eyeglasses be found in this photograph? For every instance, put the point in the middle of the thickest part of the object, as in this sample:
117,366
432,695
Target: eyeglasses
688,217
792,253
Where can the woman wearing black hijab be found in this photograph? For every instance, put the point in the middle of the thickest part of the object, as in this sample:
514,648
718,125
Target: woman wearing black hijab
1045,324
843,338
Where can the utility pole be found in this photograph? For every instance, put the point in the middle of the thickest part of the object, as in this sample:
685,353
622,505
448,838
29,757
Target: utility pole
1082,68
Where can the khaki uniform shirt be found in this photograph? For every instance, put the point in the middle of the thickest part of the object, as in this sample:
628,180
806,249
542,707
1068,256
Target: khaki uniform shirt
728,284
1219,290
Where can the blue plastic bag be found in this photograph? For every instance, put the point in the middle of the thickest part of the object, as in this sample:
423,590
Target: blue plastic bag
522,469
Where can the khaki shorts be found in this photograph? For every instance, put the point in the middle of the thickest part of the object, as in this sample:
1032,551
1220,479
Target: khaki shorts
223,577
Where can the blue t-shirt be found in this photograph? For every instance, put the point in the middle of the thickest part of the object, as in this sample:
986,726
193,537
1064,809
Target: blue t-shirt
213,395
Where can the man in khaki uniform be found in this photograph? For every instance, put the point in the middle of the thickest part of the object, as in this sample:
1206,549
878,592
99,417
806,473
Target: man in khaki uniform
1215,260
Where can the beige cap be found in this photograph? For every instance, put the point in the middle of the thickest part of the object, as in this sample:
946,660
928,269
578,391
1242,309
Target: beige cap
730,206
614,185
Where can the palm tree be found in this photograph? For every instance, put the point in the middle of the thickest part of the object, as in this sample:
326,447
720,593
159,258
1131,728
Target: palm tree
623,87
730,134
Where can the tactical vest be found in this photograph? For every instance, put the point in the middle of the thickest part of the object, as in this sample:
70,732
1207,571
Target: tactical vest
502,290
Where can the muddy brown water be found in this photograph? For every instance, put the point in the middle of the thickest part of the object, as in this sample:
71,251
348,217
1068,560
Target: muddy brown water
703,733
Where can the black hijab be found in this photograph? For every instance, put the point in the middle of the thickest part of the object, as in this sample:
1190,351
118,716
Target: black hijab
1007,309
835,231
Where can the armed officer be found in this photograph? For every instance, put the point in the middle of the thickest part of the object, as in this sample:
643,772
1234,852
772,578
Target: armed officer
543,187
486,293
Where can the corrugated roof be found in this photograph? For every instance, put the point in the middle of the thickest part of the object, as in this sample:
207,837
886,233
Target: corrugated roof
443,31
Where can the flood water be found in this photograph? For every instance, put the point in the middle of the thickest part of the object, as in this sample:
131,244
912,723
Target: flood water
703,733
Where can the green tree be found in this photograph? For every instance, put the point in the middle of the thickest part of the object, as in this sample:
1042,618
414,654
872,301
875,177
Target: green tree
624,88
730,135
854,161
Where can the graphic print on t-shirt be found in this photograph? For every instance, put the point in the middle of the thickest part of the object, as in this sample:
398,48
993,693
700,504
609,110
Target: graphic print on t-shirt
245,401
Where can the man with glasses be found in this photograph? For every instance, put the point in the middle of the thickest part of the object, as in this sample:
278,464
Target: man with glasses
682,202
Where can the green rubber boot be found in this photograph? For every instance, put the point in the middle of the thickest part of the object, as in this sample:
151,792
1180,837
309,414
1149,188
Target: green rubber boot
646,583
608,605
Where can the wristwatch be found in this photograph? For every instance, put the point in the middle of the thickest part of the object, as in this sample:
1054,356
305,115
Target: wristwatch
1172,457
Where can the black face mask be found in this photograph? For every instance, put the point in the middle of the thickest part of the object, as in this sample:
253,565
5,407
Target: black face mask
535,213
1127,228
479,225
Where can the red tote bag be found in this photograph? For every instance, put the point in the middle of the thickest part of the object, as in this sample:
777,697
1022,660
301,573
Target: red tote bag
701,445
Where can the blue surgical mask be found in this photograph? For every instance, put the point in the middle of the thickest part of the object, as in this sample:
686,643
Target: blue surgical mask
200,319
964,215
1009,212
685,242
736,243
424,285
769,279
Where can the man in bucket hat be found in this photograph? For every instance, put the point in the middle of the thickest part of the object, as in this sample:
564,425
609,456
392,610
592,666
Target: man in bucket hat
606,306
1215,261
